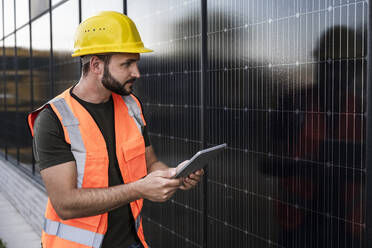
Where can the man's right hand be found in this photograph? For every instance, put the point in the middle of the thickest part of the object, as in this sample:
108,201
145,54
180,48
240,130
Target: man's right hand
160,185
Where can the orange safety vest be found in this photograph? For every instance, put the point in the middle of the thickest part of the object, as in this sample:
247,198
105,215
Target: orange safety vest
89,150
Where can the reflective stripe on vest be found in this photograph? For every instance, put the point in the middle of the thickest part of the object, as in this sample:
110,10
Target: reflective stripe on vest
77,144
73,234
138,222
134,111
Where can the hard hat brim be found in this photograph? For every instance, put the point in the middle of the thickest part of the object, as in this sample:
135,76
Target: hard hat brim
103,51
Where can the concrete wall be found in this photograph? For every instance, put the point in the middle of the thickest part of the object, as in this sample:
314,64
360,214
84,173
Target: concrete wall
26,195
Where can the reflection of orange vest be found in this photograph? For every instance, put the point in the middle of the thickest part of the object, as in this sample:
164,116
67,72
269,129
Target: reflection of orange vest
315,130
89,149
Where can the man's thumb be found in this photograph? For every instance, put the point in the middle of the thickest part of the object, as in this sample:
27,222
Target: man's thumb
171,172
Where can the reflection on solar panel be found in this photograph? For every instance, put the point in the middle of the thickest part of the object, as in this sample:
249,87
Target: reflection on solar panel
286,91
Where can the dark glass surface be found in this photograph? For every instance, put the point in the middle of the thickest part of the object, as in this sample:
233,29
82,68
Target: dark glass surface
286,92
168,90
286,89
24,95
66,69
38,7
22,12
92,7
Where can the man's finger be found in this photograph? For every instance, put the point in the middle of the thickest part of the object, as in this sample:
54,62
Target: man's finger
199,172
170,173
186,186
173,182
191,181
194,177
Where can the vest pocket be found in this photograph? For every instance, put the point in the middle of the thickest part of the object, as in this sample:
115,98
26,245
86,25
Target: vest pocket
134,156
95,171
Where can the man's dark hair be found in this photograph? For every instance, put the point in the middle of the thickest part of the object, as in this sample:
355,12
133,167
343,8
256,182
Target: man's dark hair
104,57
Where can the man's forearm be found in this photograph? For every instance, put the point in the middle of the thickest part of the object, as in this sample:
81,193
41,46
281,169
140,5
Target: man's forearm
93,201
158,165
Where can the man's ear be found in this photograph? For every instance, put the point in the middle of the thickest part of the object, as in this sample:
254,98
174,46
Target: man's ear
96,65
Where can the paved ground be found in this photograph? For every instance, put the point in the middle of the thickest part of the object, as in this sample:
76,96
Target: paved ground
14,230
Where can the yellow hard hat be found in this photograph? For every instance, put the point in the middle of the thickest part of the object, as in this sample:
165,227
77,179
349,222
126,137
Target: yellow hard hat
108,32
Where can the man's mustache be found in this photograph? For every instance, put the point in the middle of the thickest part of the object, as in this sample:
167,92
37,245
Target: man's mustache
132,80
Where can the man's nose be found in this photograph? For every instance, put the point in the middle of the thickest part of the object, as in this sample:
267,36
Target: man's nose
135,71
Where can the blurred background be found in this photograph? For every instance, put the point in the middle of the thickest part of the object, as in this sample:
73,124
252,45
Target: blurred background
282,82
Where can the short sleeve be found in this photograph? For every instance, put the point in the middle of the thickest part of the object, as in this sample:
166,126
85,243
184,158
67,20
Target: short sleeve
49,145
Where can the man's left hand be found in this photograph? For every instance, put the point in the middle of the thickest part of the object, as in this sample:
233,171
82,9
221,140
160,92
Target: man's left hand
192,180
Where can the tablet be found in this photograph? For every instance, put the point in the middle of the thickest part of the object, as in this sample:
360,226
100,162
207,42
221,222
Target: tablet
199,160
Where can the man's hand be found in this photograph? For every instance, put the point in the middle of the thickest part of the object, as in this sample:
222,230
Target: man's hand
191,180
160,185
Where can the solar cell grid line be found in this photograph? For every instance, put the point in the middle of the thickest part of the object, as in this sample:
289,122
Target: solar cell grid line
338,132
330,147
311,24
320,205
346,123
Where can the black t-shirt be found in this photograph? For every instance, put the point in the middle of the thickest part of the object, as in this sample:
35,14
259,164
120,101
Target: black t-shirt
50,148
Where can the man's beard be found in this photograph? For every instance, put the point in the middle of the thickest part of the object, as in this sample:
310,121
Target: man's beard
110,83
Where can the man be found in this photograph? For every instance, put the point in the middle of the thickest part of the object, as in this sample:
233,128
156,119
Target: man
92,146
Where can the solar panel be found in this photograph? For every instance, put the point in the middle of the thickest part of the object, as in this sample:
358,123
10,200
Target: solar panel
285,89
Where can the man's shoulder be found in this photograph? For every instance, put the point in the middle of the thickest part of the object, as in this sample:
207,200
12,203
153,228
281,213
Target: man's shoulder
45,115
47,121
